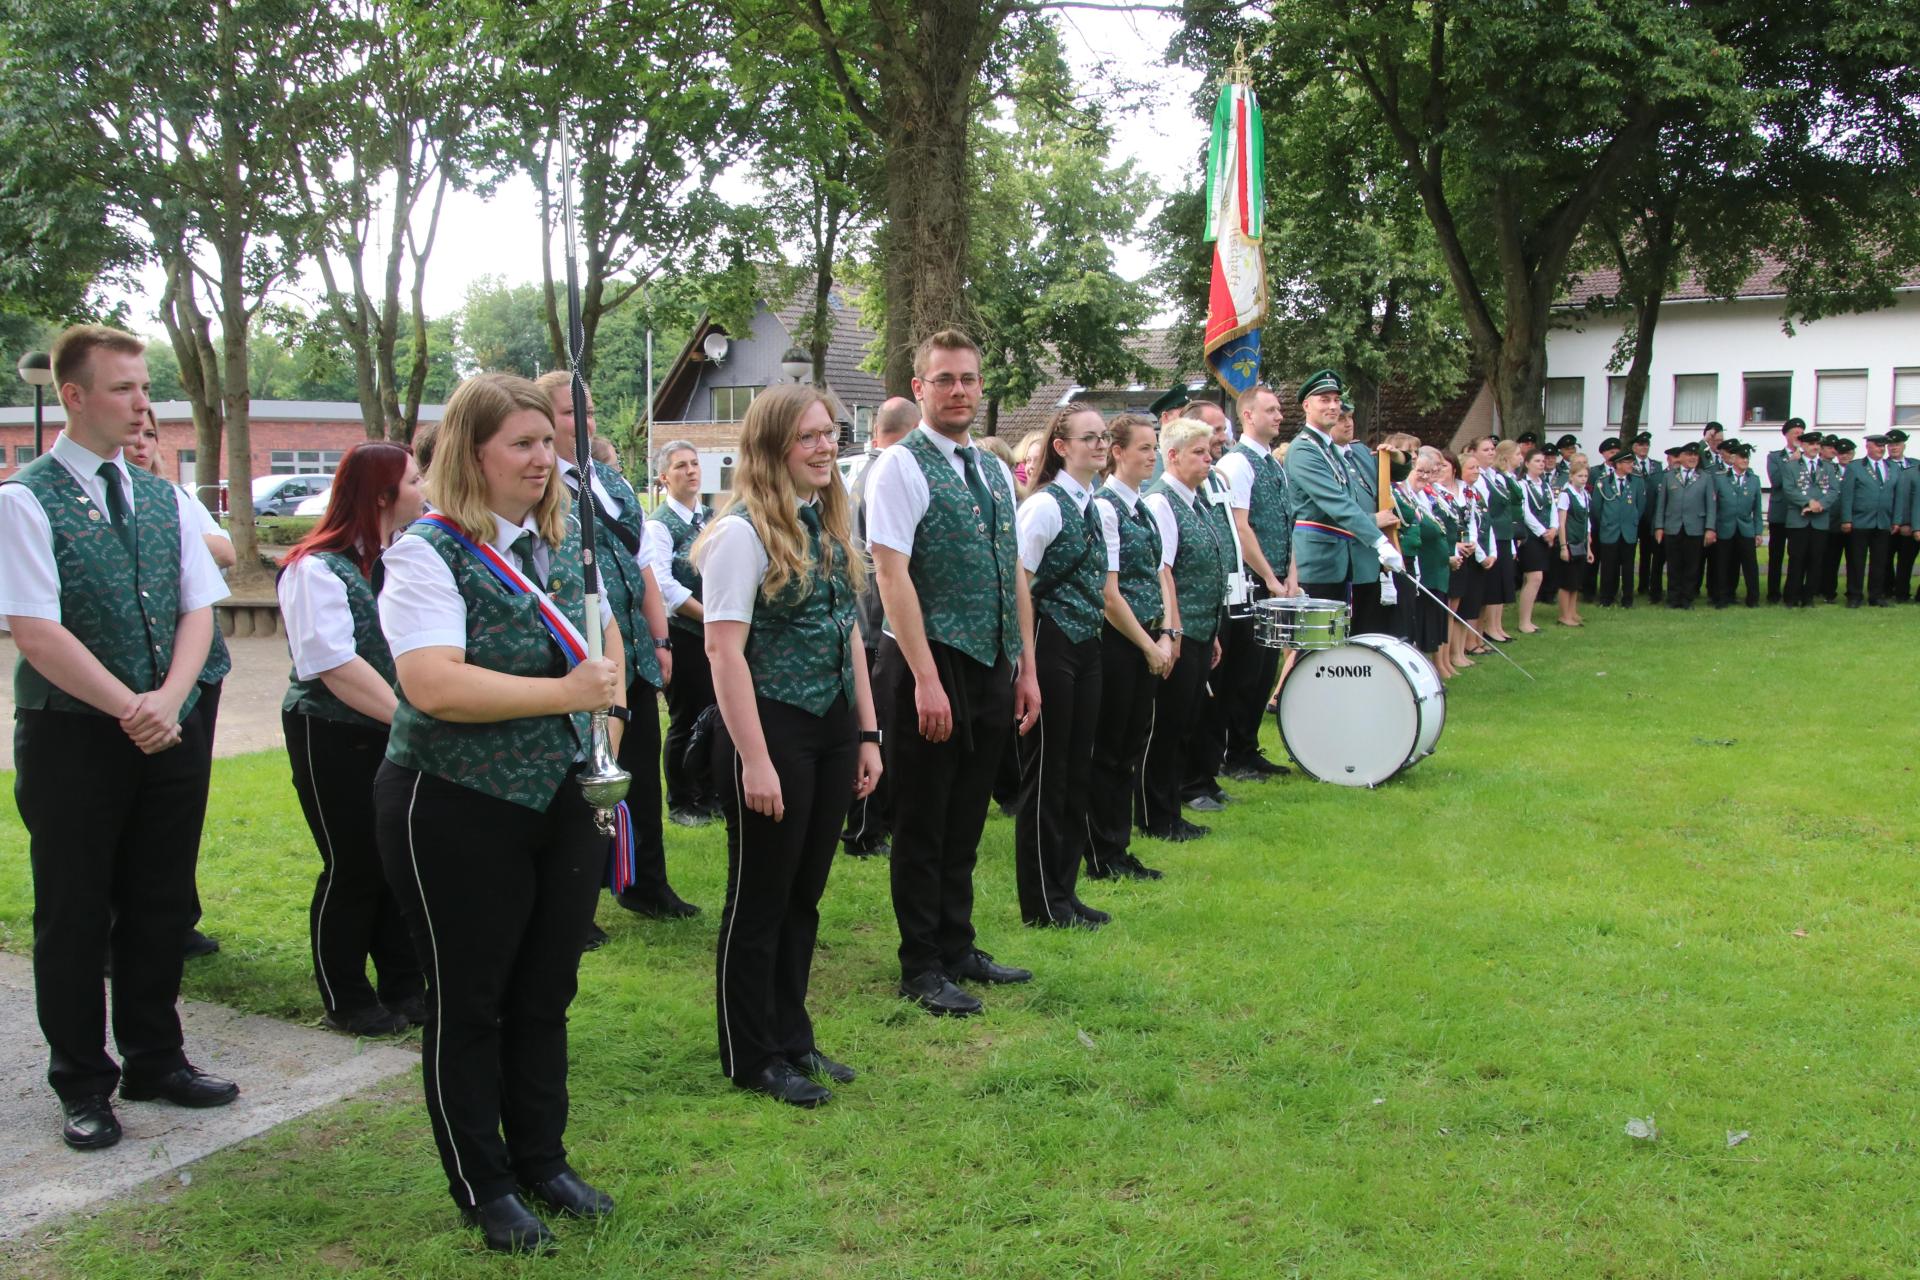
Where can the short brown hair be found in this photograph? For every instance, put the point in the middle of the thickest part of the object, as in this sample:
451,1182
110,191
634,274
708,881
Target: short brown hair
73,350
1251,396
941,340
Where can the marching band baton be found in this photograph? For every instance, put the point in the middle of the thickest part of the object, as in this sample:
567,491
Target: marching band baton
1463,622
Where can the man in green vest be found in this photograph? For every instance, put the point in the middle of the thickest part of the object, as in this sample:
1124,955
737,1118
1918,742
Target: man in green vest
1777,462
108,591
1207,743
1263,516
1736,523
955,660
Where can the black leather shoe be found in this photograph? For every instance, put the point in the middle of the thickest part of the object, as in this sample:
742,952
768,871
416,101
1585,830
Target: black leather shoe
1204,803
1179,832
669,906
819,1064
978,966
413,1008
199,944
782,1081
91,1124
868,848
596,938
374,1020
934,993
1092,915
567,1192
1134,869
184,1086
1254,767
509,1226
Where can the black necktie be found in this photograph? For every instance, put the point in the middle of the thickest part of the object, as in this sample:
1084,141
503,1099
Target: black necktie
117,504
982,496
699,518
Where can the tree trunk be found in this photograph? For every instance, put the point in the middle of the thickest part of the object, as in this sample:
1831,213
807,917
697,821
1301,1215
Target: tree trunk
1518,376
191,336
1634,394
235,322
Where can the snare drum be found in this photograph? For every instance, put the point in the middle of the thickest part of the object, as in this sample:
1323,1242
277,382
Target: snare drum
1300,622
1359,714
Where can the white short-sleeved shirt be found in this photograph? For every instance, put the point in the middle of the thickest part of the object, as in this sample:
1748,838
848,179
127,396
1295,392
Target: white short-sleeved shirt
203,521
420,604
656,547
1162,513
733,561
897,496
29,577
1038,521
1237,470
1566,499
319,621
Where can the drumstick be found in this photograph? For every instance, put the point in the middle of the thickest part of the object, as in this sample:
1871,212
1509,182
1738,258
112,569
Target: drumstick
1463,622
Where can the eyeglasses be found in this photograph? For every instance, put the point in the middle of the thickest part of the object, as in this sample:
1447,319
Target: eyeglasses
814,439
1098,437
946,381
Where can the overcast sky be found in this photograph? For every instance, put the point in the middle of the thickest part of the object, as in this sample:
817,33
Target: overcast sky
1155,126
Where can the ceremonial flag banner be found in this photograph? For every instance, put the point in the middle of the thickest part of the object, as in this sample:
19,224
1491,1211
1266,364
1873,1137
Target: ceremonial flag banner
1237,299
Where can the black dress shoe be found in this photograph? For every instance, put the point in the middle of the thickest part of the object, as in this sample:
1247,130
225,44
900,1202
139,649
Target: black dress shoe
596,938
1204,803
374,1020
1854,604
1179,831
879,848
91,1124
817,1063
1134,869
1256,766
934,993
978,966
782,1081
1092,915
413,1008
199,944
668,906
567,1192
509,1226
184,1086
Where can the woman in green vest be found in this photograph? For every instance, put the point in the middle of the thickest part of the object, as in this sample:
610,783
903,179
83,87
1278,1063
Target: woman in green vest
1063,559
485,836
1136,646
1576,541
335,716
1535,550
779,586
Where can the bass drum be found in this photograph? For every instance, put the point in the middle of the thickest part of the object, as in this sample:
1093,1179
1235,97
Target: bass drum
1360,713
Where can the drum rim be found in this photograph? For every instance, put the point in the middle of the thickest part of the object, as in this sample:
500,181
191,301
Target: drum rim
1280,723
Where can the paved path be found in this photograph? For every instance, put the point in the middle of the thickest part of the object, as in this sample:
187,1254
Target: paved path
249,703
283,1071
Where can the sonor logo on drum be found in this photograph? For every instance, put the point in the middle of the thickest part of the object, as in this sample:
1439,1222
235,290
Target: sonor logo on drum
1342,671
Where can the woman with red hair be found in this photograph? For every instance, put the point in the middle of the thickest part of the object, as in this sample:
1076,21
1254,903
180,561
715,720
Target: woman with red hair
336,715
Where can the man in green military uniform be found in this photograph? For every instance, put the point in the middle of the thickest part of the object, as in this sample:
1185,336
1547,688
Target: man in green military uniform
1811,491
1777,461
108,591
1339,543
1653,556
1867,499
1618,498
1683,522
1736,524
1906,545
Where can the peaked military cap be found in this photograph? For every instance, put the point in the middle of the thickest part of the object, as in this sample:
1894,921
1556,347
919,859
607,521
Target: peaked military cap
1568,442
1791,423
1611,442
1677,450
1814,436
1740,449
1896,436
1876,439
1526,437
1688,446
1841,444
1645,437
1324,380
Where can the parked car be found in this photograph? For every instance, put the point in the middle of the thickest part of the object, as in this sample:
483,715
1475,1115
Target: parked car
316,505
280,495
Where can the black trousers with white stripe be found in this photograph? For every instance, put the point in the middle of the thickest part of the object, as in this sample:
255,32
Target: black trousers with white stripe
1119,747
870,817
497,897
1176,706
776,872
354,916
1050,829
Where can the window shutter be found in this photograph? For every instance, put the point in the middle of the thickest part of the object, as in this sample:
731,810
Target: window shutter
1841,400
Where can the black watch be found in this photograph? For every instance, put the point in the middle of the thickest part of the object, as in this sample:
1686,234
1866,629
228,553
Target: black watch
620,713
663,642
870,735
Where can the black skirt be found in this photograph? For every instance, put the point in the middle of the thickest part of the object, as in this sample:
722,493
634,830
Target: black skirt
1501,582
1430,625
1573,570
1469,586
1534,554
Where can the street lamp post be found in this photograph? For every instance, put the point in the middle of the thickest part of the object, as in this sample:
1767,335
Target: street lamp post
36,368
796,363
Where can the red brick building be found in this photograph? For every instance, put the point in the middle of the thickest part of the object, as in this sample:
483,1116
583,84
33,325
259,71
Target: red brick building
289,437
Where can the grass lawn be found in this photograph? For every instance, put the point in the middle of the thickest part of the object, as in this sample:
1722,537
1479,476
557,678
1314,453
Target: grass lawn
1353,1034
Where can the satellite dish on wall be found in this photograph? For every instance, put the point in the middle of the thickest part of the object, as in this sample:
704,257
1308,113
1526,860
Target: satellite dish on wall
716,347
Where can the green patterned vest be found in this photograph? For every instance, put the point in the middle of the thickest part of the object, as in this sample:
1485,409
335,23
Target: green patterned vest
312,697
1069,584
1579,522
1270,513
964,559
1199,566
522,761
123,606
1140,550
620,578
684,573
799,646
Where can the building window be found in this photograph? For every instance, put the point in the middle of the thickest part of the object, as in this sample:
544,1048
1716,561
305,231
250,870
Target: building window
1769,399
862,423
186,458
23,454
1563,403
1616,404
304,462
730,403
1906,397
1696,400
1840,400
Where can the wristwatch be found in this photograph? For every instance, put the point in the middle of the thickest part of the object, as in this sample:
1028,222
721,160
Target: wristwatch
870,735
621,713
663,642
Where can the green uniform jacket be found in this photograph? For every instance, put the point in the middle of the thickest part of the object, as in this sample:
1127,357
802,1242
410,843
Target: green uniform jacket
1503,504
1906,494
1777,504
1438,534
1328,491
1684,505
1866,501
1617,507
1736,504
1802,488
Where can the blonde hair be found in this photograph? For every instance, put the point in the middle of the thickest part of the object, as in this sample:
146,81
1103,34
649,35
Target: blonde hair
1504,454
456,486
1182,432
764,492
998,447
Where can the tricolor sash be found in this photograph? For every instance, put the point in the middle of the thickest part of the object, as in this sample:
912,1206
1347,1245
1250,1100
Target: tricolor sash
1331,530
573,647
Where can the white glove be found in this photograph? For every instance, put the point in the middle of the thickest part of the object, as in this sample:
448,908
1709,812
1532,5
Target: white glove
1390,559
